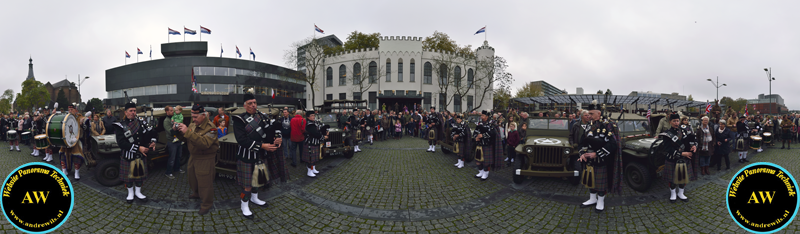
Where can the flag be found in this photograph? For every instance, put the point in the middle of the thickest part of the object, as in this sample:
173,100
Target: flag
173,32
138,51
318,29
708,107
189,31
649,112
151,51
127,55
745,111
220,50
251,52
237,52
205,30
194,83
273,93
482,30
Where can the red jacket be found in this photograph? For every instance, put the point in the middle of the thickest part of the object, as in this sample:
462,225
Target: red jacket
298,125
513,138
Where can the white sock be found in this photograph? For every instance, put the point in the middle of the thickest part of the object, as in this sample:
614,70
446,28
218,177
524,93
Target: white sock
17,147
130,194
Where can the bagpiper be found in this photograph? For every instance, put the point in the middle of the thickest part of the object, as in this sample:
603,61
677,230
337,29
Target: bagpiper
259,141
742,139
315,136
679,146
487,154
600,156
369,125
433,122
353,126
135,139
461,134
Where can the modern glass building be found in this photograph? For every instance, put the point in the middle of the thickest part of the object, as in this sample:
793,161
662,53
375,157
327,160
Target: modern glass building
220,82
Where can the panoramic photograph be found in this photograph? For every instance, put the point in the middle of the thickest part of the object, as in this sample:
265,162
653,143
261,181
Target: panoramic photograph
400,117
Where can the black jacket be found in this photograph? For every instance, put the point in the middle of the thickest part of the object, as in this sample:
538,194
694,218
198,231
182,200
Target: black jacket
131,134
725,147
250,138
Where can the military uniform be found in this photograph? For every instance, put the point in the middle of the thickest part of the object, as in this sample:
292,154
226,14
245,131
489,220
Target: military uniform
743,138
131,134
462,141
354,129
678,169
487,153
203,144
602,139
251,131
433,124
72,158
313,142
12,126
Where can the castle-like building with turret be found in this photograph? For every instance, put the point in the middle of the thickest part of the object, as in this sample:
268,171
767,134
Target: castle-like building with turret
401,73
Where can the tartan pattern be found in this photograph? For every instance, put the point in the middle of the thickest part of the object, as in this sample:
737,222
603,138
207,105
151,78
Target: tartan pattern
276,164
786,134
125,167
488,155
669,171
249,127
310,154
498,147
601,178
76,160
244,174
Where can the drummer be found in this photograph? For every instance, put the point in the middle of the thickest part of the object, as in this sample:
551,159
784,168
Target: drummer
13,126
767,123
37,128
48,152
75,153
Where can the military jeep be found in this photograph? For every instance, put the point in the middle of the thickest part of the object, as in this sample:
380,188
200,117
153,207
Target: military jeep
643,160
546,151
338,142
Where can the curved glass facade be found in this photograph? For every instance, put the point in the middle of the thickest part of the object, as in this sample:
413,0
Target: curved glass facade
227,71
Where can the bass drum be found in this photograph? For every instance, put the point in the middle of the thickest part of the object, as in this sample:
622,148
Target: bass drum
63,130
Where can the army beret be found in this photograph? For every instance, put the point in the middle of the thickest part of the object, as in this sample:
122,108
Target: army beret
198,108
674,116
127,105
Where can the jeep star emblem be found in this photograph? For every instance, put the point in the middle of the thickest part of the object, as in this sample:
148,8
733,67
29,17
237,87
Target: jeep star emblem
547,141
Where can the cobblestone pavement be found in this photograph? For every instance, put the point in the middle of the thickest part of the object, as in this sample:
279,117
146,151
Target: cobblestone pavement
302,206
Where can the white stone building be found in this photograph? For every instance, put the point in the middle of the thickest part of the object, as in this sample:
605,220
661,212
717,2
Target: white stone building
400,71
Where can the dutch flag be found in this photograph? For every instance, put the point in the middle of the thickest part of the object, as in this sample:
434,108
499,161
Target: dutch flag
273,93
482,30
318,29
237,52
189,31
173,32
254,54
138,51
205,30
127,55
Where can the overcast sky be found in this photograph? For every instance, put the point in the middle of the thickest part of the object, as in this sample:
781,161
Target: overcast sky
664,47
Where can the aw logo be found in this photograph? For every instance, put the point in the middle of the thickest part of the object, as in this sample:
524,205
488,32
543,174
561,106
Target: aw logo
37,198
762,198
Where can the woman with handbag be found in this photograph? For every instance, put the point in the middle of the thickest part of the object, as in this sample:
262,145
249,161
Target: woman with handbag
706,140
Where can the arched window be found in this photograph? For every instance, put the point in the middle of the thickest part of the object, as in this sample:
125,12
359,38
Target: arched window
329,77
388,70
470,77
357,74
413,70
342,75
400,70
373,72
442,74
457,76
427,71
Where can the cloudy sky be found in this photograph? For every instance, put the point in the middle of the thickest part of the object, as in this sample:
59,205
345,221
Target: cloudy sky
664,47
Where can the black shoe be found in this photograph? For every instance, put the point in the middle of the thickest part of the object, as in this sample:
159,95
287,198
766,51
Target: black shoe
129,201
19,150
783,147
294,165
673,201
584,206
685,200
745,160
598,211
248,216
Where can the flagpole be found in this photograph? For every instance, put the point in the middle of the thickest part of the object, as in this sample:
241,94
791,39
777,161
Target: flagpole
484,33
184,33
201,32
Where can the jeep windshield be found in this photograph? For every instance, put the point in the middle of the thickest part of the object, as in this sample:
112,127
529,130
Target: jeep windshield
327,118
551,124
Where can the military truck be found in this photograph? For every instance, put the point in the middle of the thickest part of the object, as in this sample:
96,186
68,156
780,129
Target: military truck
105,154
546,151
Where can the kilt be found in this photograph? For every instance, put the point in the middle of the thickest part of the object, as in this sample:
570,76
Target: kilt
668,175
125,168
435,133
244,174
786,134
601,178
353,136
488,155
76,160
462,148
310,154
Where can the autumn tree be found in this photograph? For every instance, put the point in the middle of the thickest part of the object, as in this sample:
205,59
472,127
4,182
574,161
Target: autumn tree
491,76
308,55
97,104
529,90
5,101
440,41
501,99
33,94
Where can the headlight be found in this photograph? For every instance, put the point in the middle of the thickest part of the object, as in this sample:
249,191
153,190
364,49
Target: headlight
566,151
342,134
529,150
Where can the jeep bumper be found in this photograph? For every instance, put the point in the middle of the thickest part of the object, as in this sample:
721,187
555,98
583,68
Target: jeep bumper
547,173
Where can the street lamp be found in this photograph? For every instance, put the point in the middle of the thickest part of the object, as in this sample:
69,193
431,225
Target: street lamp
770,78
80,81
717,85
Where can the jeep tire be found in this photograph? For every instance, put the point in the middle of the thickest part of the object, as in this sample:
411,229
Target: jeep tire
637,176
107,172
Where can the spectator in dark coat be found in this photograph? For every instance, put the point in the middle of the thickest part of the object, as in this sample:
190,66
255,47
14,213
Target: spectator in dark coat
512,141
108,120
723,137
286,133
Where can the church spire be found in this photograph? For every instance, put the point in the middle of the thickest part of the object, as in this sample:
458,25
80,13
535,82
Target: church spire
30,69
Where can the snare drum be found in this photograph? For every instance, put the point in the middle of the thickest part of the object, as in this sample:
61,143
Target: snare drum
41,141
767,137
11,135
755,142
25,136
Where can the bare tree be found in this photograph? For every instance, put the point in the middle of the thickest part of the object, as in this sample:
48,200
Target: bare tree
491,76
363,75
308,56
453,72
